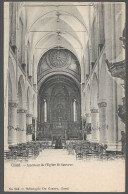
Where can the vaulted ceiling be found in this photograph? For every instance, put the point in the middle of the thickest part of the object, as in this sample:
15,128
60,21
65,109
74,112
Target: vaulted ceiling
64,24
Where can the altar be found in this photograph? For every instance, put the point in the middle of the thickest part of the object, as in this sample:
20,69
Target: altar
60,127
65,130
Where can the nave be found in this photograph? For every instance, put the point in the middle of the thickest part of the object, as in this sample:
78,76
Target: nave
64,96
64,77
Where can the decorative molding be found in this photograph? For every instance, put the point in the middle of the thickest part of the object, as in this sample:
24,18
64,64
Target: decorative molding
117,69
16,129
29,115
102,104
87,114
94,110
10,127
58,58
21,111
19,129
13,104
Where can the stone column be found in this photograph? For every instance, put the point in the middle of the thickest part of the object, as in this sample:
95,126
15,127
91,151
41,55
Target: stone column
21,125
13,32
110,111
82,100
110,120
88,120
114,49
88,117
12,119
108,30
102,122
28,119
29,122
94,124
35,68
38,108
35,126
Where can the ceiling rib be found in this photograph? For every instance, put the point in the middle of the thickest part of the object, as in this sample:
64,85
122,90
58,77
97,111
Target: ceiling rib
61,11
56,5
57,48
50,35
56,31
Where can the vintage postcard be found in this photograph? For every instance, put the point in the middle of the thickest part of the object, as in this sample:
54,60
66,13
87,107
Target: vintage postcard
64,96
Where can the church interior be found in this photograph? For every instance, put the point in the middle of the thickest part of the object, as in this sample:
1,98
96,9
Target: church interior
64,78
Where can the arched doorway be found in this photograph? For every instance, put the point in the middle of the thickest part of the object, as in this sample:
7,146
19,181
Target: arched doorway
59,98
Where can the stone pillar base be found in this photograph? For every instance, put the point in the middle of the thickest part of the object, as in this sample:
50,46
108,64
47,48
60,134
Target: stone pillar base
94,124
89,137
21,136
28,137
21,126
12,136
12,119
102,122
103,141
95,137
95,140
114,147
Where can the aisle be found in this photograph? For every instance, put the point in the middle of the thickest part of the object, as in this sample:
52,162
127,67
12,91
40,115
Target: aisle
55,155
62,155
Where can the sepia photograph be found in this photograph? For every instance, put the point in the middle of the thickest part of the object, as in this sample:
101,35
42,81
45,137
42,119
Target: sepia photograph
64,96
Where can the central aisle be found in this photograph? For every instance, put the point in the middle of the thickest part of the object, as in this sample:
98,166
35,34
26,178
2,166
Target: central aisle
55,155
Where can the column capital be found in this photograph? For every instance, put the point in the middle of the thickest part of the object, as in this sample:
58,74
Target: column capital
13,104
21,111
102,104
94,110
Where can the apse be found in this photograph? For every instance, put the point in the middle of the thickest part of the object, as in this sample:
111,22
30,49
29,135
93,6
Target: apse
59,99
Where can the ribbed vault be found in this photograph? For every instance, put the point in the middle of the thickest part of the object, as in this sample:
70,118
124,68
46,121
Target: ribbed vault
63,24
